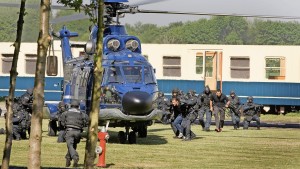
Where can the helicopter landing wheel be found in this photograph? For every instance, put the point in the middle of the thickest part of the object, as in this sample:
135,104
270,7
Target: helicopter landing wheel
122,137
132,137
142,132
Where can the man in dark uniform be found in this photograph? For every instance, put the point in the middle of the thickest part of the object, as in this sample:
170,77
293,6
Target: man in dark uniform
217,106
251,112
16,120
234,105
204,103
189,115
73,120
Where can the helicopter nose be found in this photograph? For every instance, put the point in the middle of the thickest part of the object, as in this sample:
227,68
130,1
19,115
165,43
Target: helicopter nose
137,102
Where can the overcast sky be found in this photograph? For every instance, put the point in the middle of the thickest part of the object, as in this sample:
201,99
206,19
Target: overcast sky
257,7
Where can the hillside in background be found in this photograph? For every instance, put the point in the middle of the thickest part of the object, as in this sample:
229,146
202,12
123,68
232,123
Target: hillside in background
216,30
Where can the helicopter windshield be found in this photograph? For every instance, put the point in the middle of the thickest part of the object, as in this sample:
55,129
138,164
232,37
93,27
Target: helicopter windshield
138,74
133,74
113,75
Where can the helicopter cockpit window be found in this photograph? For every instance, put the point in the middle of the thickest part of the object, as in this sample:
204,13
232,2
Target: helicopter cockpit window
133,74
148,74
113,75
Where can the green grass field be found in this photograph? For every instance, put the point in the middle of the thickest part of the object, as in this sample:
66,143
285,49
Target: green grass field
265,148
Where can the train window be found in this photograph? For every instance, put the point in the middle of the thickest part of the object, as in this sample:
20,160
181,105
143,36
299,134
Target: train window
240,67
6,63
30,63
172,66
275,68
209,60
52,65
199,63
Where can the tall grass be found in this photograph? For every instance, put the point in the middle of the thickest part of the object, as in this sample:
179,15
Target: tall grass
265,148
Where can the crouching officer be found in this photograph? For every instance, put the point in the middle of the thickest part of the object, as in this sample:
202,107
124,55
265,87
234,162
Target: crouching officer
189,115
73,120
251,112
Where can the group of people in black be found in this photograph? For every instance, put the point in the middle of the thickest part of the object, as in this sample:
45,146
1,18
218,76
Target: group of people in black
22,110
183,109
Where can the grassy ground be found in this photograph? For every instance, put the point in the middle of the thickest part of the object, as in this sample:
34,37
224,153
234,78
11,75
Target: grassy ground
265,148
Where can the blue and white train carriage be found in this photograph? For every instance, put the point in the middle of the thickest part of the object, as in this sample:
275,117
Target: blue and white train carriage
271,74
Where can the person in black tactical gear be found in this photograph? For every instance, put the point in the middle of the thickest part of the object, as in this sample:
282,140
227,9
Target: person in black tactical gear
73,120
163,104
234,106
189,115
16,120
26,101
251,112
204,103
61,135
217,105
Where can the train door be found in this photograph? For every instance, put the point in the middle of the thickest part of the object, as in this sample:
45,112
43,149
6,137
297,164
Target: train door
213,69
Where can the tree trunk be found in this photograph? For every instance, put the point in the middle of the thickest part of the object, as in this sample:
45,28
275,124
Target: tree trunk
91,142
13,75
35,140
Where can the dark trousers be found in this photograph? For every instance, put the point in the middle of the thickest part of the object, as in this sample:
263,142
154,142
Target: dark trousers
219,113
248,119
16,132
186,125
72,137
207,112
235,120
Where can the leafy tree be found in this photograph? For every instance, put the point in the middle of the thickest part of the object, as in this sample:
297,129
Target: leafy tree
35,140
13,76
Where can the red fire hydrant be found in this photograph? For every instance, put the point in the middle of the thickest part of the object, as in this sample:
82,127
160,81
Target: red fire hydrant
103,136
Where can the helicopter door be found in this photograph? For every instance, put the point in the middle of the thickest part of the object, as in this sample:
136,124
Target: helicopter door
212,69
76,79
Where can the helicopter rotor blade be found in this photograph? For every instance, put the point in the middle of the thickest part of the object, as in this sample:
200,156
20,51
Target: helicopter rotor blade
145,2
215,14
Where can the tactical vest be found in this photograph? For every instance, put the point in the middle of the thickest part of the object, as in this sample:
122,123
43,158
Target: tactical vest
75,119
205,99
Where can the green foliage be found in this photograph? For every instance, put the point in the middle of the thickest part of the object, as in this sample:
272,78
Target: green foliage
215,30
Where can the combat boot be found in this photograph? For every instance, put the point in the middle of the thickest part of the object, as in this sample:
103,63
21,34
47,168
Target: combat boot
68,162
186,139
75,164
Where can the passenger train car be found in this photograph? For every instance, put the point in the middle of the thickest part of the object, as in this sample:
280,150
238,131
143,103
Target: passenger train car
271,74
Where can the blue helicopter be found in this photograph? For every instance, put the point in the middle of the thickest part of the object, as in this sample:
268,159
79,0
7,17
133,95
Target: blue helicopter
129,87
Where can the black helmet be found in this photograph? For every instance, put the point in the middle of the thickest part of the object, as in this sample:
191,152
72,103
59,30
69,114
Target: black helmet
250,99
206,89
29,91
61,104
175,90
75,103
232,92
